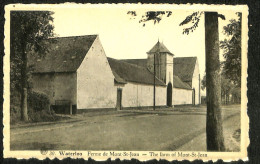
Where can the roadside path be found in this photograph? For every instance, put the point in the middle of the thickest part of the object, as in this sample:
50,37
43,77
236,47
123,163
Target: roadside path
89,119
118,130
230,126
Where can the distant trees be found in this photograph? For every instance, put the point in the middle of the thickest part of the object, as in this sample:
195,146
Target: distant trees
232,50
231,66
28,29
226,90
230,93
203,82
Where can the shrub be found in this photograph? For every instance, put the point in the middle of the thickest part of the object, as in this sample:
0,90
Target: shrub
43,116
38,108
38,101
15,114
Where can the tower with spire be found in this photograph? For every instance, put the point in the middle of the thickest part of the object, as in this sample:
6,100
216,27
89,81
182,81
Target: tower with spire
163,62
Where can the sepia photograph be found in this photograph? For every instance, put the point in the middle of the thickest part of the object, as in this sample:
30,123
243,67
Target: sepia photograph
126,81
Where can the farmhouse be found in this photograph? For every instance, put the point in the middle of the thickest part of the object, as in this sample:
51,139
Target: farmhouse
76,71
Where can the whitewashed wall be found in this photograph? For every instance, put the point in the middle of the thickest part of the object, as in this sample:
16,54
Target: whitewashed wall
169,69
95,80
196,83
181,96
137,95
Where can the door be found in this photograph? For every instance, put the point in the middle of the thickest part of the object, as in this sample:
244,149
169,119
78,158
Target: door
169,94
193,96
119,99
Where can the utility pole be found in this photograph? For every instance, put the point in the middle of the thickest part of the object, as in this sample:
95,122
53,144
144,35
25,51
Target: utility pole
154,73
154,81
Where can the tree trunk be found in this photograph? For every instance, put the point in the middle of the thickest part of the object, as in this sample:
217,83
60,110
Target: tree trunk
24,110
225,98
215,140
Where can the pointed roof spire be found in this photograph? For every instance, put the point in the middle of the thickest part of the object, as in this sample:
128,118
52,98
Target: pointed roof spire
159,47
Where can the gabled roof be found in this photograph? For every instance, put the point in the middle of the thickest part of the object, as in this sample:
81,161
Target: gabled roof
159,47
178,83
139,62
184,67
133,73
65,54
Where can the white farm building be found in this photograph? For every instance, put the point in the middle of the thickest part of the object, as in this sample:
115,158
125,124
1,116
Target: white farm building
77,71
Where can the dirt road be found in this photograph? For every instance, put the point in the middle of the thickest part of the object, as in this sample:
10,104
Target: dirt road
123,130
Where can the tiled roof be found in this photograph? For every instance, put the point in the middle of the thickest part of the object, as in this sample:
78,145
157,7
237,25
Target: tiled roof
65,54
133,73
178,83
159,47
139,62
184,67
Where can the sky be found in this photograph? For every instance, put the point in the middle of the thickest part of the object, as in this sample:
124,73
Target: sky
125,38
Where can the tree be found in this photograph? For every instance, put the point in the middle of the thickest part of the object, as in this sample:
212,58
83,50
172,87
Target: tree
28,30
214,130
232,50
203,82
215,140
227,88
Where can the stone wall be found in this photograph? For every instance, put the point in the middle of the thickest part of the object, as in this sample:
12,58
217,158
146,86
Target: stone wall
58,86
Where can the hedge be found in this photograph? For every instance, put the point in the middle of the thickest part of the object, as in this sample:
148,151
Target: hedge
38,101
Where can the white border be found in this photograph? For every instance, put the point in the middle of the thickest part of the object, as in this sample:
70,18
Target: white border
226,156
